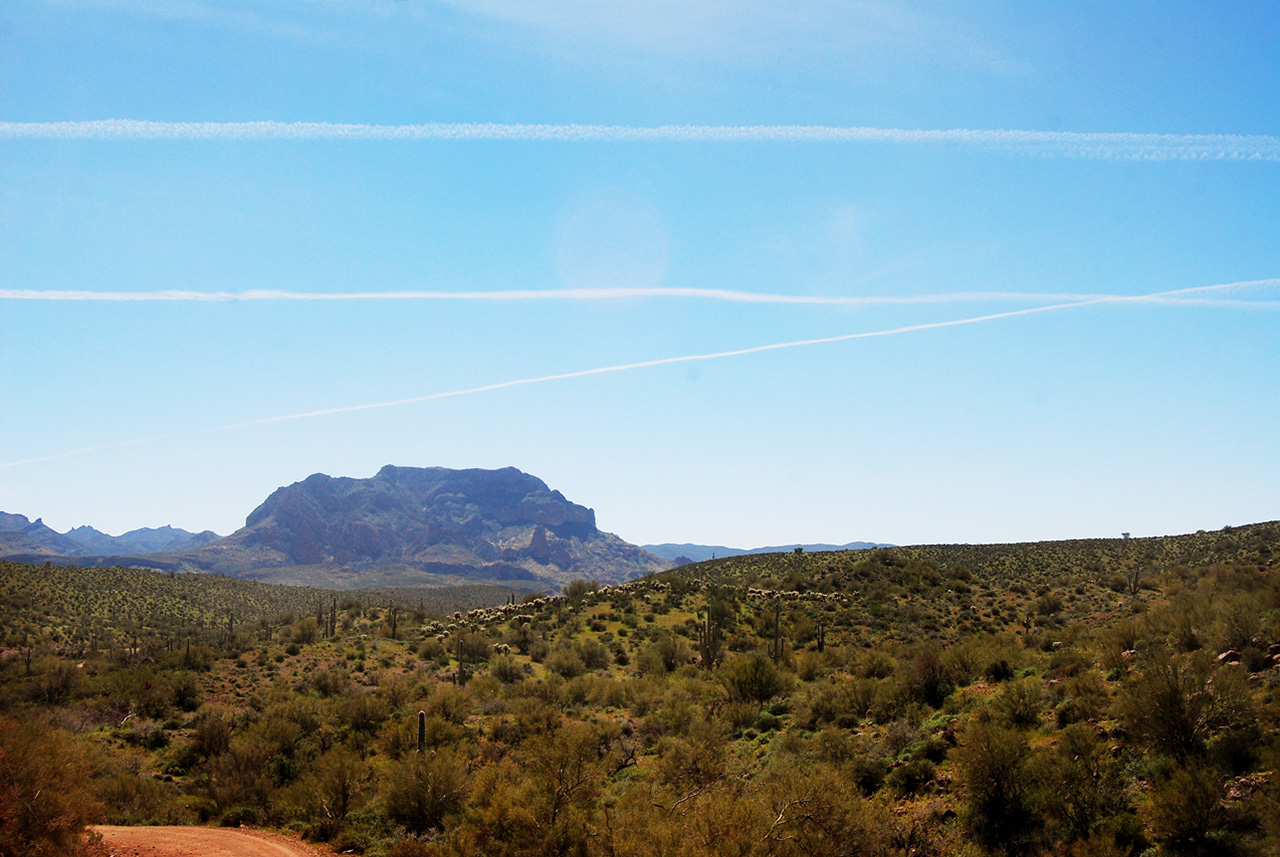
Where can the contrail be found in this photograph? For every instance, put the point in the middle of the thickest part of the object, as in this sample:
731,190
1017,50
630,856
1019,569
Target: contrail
606,294
662,361
1070,144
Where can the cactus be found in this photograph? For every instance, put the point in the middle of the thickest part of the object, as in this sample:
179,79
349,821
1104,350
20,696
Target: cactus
422,731
460,678
821,638
709,642
775,647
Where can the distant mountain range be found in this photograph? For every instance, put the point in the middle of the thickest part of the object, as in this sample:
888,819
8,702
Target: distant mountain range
683,554
405,526
20,534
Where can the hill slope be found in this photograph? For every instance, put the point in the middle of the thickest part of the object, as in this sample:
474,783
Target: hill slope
1089,697
699,553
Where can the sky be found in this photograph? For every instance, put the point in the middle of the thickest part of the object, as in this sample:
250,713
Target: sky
729,273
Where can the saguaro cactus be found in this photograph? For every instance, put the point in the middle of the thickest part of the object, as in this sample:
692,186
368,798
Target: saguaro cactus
422,731
775,647
460,678
709,642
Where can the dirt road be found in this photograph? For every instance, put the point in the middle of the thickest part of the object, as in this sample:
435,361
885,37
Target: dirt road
202,842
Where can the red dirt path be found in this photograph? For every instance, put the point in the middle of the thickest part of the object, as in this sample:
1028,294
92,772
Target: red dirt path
202,842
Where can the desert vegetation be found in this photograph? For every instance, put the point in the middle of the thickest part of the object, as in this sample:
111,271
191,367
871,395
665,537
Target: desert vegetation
1107,697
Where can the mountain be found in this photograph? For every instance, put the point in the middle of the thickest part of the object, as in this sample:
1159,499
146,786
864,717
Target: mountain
682,554
410,526
403,527
20,535
141,541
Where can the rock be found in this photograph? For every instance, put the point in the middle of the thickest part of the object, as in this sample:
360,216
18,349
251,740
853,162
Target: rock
487,524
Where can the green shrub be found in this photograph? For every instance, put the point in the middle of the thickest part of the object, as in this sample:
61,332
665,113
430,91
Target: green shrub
421,790
751,678
1186,815
1019,703
506,669
911,777
998,786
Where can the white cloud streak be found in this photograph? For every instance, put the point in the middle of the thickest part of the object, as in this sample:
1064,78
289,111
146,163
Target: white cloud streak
1154,298
1070,144
617,294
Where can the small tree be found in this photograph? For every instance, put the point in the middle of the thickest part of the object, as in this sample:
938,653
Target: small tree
578,589
752,678
998,784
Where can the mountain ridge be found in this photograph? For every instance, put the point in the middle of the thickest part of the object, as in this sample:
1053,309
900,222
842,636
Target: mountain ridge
675,552
20,532
401,527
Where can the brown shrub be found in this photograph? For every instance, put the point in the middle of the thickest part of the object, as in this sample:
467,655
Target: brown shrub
44,796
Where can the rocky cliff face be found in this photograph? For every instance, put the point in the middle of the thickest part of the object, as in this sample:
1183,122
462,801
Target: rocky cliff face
490,524
405,526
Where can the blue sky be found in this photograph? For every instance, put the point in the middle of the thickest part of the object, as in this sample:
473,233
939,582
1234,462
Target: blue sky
1139,399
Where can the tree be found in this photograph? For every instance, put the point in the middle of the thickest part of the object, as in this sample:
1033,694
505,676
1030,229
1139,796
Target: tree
578,589
1086,784
1178,703
998,784
752,678
1186,814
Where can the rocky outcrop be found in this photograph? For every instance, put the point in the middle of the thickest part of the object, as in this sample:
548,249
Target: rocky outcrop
495,524
404,526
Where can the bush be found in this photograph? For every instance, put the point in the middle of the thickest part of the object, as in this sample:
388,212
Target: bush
212,733
1186,815
998,671
751,678
664,654
1177,704
1084,786
928,679
566,662
185,693
1018,704
911,778
593,653
44,798
998,785
304,631
506,669
412,848
418,792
